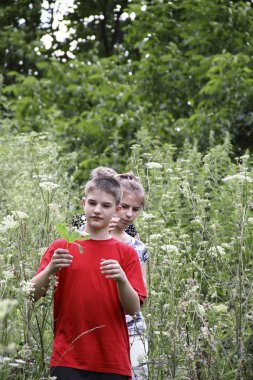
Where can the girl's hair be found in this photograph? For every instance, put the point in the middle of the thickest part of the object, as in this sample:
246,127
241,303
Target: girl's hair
107,184
128,181
102,171
131,184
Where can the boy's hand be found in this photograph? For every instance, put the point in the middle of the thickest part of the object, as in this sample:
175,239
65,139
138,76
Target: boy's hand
113,223
112,269
60,259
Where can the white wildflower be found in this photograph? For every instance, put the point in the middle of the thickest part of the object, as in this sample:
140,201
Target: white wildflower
27,287
241,177
135,147
226,246
43,177
169,248
4,359
55,209
20,361
155,236
54,206
200,310
250,220
8,223
14,364
214,295
217,250
48,186
20,214
147,216
221,308
197,221
153,165
204,330
8,274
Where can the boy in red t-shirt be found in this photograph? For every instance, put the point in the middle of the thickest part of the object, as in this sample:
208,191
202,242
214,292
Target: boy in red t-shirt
94,292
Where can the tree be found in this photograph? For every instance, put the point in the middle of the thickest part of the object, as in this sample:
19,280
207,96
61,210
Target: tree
19,35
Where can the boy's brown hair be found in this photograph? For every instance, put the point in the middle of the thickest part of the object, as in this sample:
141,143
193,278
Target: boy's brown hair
106,184
102,171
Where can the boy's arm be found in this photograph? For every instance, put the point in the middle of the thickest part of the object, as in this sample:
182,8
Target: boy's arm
128,297
60,259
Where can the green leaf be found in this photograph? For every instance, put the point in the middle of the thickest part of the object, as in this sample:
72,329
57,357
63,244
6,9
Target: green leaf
71,236
62,231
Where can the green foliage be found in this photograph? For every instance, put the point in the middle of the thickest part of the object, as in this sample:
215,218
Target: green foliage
19,35
90,108
198,226
101,20
199,230
71,236
35,193
194,69
184,69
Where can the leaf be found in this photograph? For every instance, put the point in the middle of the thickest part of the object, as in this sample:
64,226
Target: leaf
71,236
74,235
62,231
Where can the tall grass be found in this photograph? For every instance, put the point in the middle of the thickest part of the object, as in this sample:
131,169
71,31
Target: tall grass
199,230
198,226
35,194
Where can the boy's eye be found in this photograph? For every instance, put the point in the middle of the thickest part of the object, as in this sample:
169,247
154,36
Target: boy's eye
136,209
92,202
124,206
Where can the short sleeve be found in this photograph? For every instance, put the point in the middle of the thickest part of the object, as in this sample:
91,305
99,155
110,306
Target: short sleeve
133,272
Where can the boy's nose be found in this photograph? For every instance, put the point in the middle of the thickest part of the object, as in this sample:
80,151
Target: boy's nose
97,209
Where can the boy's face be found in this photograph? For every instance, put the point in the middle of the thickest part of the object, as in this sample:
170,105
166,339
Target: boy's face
131,208
99,208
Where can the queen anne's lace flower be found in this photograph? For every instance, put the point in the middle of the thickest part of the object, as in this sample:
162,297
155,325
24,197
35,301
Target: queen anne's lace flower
147,216
20,214
8,223
27,287
48,186
169,248
153,165
241,177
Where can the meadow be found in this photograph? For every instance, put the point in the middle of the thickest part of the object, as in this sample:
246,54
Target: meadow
197,225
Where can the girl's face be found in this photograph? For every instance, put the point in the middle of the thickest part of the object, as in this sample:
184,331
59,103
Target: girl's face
131,207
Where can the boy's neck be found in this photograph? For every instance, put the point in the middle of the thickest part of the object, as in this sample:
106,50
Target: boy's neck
97,234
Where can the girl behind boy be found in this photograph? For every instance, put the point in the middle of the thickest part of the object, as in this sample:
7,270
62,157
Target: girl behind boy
132,203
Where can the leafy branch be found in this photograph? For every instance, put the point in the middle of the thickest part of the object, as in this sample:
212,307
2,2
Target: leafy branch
71,236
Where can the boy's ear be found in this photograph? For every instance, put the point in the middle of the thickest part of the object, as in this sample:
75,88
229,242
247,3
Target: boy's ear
83,201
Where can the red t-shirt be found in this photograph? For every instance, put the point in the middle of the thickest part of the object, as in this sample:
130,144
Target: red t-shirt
90,331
